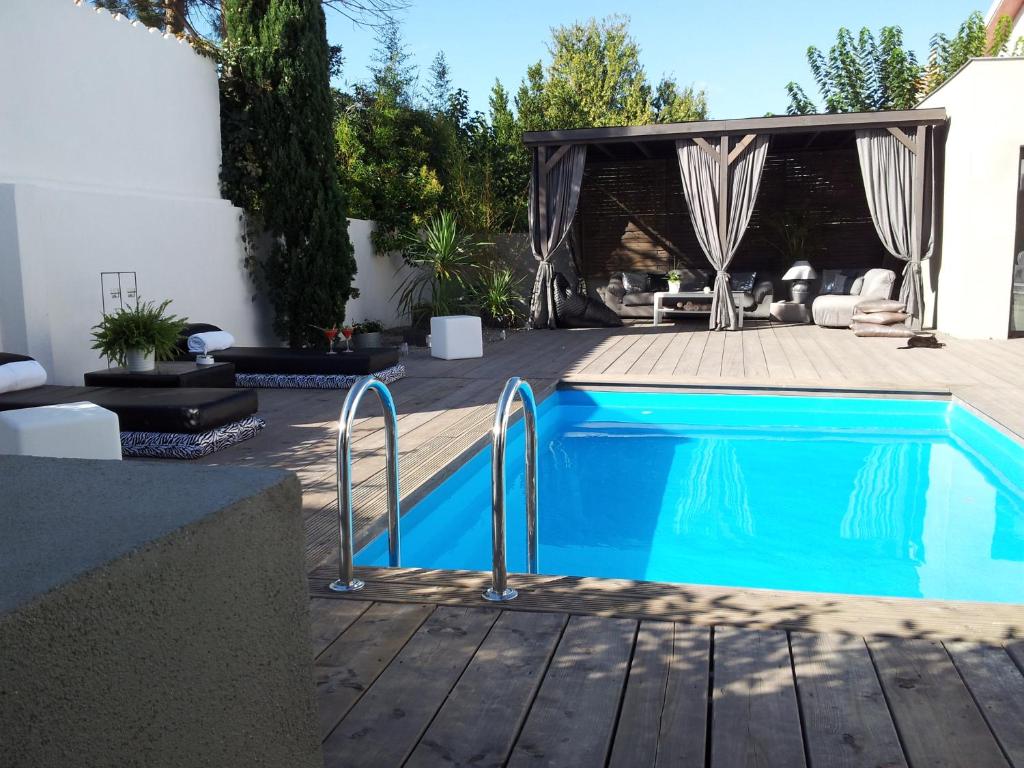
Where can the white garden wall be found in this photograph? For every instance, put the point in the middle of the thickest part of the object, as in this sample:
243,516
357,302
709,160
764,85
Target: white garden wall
971,296
377,278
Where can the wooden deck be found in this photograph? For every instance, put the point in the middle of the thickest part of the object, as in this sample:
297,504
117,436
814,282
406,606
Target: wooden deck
417,684
417,670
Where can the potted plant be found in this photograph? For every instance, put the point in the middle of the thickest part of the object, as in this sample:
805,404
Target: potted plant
366,335
675,280
137,337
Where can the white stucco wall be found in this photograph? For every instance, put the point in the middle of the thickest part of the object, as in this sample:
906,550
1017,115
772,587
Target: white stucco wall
986,131
377,278
93,100
109,161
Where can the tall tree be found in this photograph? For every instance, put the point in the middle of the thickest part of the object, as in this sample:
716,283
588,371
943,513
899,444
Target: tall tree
861,74
278,150
949,53
203,20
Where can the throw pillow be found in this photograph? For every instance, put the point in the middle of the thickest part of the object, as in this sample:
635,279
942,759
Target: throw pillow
742,281
857,286
833,281
657,281
635,282
888,331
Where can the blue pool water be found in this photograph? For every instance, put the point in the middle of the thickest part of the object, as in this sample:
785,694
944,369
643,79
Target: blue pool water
871,496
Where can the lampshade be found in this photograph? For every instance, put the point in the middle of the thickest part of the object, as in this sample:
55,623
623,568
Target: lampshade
801,270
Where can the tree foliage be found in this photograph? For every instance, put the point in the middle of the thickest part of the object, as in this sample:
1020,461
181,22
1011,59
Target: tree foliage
865,73
278,158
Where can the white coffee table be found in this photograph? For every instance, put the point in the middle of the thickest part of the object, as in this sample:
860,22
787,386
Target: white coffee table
694,297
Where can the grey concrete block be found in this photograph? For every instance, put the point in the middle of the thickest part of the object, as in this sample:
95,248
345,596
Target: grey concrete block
153,614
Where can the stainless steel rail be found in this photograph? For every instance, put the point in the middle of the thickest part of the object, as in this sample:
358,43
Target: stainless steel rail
346,581
499,589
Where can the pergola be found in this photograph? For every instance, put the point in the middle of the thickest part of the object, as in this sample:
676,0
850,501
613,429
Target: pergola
878,167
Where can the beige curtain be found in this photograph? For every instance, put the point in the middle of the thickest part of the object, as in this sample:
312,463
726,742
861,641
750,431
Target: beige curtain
700,175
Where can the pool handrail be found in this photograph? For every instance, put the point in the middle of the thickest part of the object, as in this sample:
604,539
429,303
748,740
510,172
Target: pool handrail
500,591
346,581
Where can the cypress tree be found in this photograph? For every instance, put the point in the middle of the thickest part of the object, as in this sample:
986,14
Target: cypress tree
278,159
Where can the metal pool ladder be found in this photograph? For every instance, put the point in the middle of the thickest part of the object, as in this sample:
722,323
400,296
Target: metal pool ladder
346,581
500,590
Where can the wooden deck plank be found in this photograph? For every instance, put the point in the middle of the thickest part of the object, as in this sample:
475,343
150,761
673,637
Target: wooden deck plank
846,721
664,713
998,688
938,721
329,618
385,724
754,716
480,720
573,717
349,666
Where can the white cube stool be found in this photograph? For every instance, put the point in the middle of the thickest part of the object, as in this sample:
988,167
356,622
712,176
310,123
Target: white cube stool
454,337
66,431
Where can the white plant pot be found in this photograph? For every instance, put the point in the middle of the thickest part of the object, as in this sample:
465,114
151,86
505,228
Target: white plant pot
138,361
673,287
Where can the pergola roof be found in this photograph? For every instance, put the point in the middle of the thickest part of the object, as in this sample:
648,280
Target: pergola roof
783,124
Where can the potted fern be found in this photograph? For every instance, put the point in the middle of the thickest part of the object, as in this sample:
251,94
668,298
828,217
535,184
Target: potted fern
137,337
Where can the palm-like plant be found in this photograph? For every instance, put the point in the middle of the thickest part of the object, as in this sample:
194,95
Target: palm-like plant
445,258
497,295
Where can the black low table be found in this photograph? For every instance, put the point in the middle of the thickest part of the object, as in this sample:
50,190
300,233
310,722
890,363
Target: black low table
172,374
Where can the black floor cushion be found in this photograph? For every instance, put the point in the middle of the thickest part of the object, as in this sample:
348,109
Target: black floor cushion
573,310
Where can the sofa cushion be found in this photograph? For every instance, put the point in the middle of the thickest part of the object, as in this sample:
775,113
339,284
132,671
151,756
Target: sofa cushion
878,284
657,281
638,299
887,331
879,318
880,305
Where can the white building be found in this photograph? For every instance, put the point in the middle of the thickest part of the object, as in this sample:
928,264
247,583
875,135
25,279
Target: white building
975,281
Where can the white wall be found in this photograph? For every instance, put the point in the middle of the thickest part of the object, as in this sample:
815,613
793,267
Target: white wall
986,131
109,161
377,278
89,99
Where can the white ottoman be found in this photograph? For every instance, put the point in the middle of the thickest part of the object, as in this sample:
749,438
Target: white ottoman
454,337
66,431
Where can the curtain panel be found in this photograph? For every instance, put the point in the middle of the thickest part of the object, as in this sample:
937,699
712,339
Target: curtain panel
700,172
887,166
553,197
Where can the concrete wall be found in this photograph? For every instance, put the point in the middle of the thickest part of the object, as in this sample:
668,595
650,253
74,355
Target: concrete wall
146,627
968,289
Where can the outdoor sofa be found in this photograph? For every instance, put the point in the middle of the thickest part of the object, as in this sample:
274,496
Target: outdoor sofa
835,310
286,368
157,422
631,294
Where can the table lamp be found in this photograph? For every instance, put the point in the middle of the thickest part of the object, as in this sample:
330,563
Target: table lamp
799,274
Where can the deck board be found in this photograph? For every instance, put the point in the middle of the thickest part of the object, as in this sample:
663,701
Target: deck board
387,722
573,717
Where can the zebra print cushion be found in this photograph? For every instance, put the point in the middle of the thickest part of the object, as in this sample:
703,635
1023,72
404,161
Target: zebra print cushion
312,381
186,445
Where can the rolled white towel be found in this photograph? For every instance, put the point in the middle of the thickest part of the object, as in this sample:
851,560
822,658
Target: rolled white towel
211,341
23,374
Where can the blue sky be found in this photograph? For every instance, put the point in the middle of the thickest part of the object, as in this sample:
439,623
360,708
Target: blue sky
743,61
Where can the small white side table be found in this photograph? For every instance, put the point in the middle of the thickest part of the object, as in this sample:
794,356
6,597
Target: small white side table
789,312
64,431
456,337
699,298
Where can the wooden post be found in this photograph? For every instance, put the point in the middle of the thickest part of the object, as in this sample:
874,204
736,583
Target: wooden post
917,254
723,193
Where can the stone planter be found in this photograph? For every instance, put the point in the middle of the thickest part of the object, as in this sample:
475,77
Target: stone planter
366,340
138,361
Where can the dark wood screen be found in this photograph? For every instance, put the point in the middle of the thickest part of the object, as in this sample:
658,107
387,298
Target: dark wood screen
633,215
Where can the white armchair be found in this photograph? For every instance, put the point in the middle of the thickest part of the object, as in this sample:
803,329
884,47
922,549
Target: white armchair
836,310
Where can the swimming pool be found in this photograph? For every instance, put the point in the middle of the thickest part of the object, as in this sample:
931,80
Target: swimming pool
859,495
